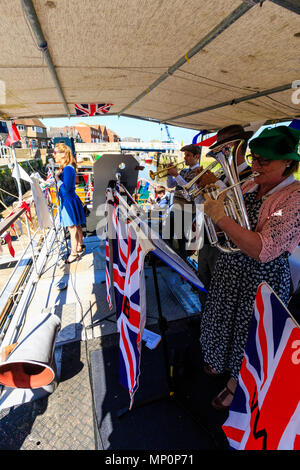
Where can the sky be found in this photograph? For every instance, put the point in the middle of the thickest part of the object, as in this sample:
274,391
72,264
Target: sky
129,127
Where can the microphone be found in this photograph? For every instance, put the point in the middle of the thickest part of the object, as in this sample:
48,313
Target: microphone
51,164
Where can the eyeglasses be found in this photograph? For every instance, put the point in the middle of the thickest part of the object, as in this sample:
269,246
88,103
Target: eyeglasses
250,159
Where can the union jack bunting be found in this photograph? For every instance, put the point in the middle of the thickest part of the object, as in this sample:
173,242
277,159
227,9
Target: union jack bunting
50,177
265,412
46,184
127,257
92,109
90,190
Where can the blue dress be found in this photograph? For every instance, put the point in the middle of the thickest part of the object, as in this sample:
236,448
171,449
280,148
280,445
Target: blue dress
71,208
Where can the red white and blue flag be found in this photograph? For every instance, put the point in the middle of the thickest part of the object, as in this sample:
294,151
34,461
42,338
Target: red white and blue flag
265,412
50,178
127,256
92,109
45,184
13,134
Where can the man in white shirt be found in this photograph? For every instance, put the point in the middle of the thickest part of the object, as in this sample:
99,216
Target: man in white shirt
182,210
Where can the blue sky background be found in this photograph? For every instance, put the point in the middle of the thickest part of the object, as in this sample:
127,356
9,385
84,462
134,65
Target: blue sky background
128,127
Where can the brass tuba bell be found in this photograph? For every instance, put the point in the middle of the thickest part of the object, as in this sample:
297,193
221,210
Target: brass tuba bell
233,202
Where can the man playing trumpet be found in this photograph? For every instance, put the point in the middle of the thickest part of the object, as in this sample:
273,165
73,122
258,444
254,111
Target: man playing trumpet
175,179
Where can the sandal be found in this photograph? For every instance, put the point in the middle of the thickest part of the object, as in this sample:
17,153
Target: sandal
72,258
82,249
218,401
210,371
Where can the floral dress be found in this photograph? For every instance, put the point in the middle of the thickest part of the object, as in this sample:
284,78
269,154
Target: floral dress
229,306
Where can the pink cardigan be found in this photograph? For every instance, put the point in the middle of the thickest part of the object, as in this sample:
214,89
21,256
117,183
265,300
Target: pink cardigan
278,222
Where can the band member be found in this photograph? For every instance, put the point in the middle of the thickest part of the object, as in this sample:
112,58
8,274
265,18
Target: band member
272,201
208,254
180,207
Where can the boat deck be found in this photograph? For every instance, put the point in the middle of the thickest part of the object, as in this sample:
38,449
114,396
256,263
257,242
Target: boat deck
83,411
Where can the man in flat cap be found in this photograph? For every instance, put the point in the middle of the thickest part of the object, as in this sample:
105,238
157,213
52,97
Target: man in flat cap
192,156
176,179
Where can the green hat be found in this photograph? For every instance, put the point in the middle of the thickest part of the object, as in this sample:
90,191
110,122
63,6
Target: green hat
277,143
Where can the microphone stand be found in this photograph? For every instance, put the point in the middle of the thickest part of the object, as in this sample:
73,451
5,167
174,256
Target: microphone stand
52,169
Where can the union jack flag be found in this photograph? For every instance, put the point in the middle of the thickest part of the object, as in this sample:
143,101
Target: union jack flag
127,257
90,190
46,184
50,177
265,412
92,109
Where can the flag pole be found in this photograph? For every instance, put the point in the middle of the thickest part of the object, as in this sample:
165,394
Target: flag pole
18,176
52,169
18,179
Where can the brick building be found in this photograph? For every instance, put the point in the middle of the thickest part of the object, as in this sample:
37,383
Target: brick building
33,133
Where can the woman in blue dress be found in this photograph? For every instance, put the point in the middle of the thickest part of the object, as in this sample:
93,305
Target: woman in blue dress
71,208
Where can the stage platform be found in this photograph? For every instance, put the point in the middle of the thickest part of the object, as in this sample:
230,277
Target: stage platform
82,412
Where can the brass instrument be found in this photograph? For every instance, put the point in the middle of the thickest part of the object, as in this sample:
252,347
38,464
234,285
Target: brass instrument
153,174
190,190
233,202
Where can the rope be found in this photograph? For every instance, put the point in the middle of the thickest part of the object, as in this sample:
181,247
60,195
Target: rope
10,194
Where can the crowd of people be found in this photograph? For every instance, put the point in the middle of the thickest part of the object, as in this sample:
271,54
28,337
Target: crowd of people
271,197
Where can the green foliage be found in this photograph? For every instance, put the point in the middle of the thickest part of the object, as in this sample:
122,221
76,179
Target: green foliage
8,183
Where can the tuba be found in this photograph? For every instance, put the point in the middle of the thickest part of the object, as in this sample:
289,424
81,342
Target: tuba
233,202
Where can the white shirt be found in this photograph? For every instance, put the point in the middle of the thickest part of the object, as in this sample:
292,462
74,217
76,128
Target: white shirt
178,180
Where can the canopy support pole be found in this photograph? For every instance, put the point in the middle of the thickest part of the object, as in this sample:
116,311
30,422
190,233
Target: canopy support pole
213,34
259,94
291,5
31,15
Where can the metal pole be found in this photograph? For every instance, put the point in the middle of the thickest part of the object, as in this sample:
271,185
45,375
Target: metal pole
214,33
18,179
31,15
232,102
52,168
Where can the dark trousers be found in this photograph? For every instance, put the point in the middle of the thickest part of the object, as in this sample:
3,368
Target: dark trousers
207,257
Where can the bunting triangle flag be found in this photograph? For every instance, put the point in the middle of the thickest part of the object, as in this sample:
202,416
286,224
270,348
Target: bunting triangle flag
208,142
13,134
7,238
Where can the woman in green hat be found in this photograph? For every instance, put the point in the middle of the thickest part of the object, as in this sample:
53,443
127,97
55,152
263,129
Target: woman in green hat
272,200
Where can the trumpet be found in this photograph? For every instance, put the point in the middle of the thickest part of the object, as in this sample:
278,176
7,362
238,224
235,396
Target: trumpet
153,174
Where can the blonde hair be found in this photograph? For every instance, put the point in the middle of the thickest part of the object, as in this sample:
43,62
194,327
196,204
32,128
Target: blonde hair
68,158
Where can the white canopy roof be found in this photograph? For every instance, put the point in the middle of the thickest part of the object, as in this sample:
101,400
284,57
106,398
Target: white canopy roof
194,63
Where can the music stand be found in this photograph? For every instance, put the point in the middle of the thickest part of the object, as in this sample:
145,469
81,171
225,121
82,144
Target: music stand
169,365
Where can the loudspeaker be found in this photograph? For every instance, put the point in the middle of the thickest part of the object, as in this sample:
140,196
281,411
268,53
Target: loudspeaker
30,362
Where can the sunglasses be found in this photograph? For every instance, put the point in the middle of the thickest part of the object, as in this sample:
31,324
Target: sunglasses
250,159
